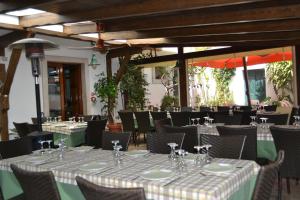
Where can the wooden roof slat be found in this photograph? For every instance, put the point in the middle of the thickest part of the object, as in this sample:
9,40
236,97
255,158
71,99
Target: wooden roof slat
131,9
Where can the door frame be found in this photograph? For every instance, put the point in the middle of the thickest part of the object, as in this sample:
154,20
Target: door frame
44,83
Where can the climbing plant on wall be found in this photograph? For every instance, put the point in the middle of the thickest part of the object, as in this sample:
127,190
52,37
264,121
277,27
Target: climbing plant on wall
223,78
280,74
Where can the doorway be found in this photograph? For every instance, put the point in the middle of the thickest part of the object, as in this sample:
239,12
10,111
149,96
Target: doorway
65,89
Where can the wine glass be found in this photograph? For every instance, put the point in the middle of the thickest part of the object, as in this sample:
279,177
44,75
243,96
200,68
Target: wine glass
193,121
206,121
198,121
172,155
297,120
198,159
263,122
49,145
41,142
253,121
208,158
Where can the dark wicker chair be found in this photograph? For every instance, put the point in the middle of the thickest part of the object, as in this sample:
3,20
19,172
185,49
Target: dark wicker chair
270,108
123,138
158,143
277,119
245,108
36,185
128,124
204,109
186,109
225,147
143,123
199,115
158,124
295,111
289,141
235,119
22,128
32,127
180,118
245,116
92,191
250,147
34,120
223,108
94,132
190,138
267,178
17,147
159,115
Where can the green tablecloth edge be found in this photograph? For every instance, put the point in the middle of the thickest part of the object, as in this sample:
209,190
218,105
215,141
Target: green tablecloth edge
266,149
72,140
10,188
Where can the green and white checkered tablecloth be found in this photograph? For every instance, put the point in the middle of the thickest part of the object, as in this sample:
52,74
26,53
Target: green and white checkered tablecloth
192,184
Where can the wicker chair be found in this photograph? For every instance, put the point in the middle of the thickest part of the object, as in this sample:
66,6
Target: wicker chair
159,115
17,147
204,109
250,148
180,118
267,178
128,124
277,119
36,185
235,119
92,191
289,141
270,108
223,109
94,132
22,128
34,120
143,122
246,116
123,138
225,147
158,124
158,143
295,111
186,109
190,138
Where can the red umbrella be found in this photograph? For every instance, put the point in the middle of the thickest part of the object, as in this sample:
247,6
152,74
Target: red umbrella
251,60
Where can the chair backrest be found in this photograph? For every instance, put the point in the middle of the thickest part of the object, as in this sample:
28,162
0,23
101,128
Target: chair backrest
277,119
295,111
289,141
204,109
94,132
92,191
158,143
270,108
266,179
180,118
159,115
127,121
22,128
33,127
36,185
246,116
225,147
223,108
245,108
158,124
17,147
190,138
186,109
250,147
143,121
235,119
34,120
123,138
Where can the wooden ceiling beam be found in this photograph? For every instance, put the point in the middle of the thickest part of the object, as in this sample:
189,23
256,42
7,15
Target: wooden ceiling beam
247,27
199,54
206,17
216,38
132,9
10,5
11,37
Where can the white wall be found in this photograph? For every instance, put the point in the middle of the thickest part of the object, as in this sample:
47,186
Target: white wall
22,95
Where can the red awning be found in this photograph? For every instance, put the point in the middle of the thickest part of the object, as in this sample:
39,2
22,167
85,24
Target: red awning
251,60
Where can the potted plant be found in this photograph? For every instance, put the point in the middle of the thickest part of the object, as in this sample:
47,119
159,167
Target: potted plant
107,91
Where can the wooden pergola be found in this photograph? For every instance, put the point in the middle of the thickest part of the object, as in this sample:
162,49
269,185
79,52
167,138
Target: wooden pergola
243,25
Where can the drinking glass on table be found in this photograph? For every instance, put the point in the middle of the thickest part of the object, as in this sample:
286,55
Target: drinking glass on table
198,121
172,155
206,121
253,121
199,160
297,120
42,151
193,121
264,122
49,145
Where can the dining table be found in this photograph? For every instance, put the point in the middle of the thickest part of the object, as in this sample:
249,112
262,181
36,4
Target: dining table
193,182
72,132
265,143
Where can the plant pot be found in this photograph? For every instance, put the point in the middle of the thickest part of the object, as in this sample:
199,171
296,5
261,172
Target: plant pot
115,127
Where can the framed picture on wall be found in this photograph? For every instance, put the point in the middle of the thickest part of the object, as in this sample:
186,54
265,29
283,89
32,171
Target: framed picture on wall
157,72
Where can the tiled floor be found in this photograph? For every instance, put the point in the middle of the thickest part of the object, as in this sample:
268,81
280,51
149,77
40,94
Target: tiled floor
295,189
